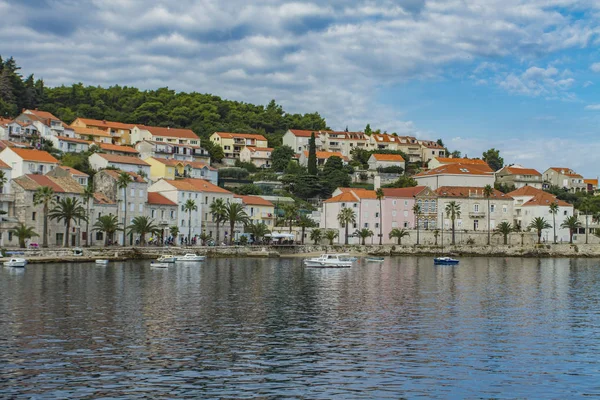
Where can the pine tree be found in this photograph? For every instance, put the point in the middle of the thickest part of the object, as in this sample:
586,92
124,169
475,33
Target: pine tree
312,155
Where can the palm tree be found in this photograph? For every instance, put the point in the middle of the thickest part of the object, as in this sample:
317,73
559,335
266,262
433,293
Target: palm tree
453,212
234,213
417,211
189,206
142,226
554,211
488,191
23,232
217,210
290,213
398,234
204,237
346,217
123,182
174,231
331,235
364,234
316,235
504,229
380,195
571,223
305,222
44,195
587,206
257,230
67,210
88,194
539,224
108,224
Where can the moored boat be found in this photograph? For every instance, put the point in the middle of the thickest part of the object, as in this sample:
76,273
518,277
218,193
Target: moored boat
16,262
157,264
190,257
101,262
375,259
329,261
445,261
166,259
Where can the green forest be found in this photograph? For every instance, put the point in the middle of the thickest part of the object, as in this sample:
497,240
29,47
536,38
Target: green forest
202,113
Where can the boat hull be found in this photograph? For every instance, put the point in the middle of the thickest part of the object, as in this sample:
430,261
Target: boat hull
317,264
16,263
159,264
437,261
101,262
190,259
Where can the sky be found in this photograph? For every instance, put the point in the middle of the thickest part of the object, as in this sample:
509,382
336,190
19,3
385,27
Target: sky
522,76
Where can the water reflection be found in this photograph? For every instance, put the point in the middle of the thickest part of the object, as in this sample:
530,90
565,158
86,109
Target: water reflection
258,327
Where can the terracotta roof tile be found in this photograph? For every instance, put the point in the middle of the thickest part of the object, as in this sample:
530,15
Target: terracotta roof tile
522,171
157,198
63,184
42,114
324,155
170,132
116,147
346,197
114,173
474,161
457,169
305,133
196,185
34,155
360,193
105,124
566,172
4,165
388,157
467,191
254,149
403,192
73,140
90,131
231,135
123,159
100,198
254,200
591,181
525,191
72,170
545,199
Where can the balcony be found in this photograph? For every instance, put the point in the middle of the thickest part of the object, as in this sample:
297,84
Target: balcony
476,214
163,222
7,197
267,215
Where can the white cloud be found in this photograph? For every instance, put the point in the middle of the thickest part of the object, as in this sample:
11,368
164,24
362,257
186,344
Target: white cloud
593,107
595,67
536,81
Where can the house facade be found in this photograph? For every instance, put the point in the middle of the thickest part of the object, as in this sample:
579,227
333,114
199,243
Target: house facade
455,175
163,212
259,156
298,139
377,161
116,149
120,133
63,171
100,161
70,144
518,176
366,208
45,123
233,143
172,169
28,161
174,151
322,157
92,134
259,210
398,208
564,178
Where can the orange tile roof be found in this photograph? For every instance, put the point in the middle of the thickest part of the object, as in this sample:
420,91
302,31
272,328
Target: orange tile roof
116,147
34,155
231,135
324,155
116,172
170,132
41,114
172,163
254,200
346,135
457,169
474,161
90,131
522,171
431,144
388,157
360,193
525,191
545,199
346,197
467,191
566,172
58,184
591,181
305,133
403,192
157,198
74,140
4,121
254,149
123,159
72,171
106,124
196,185
4,165
100,198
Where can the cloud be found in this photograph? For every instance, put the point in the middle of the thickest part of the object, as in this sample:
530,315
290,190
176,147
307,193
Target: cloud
595,67
536,81
593,107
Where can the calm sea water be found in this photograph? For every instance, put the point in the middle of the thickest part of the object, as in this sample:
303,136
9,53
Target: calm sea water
246,328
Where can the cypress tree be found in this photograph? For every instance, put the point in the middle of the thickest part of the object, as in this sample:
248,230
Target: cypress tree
312,155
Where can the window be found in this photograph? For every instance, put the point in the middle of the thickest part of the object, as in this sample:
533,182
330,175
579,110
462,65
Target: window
565,212
60,238
406,224
33,216
172,214
504,209
406,213
355,205
343,205
162,214
206,200
376,224
132,192
131,207
141,193
141,207
476,207
10,236
394,202
183,222
393,213
182,207
366,224
394,224
405,203
376,215
152,213
492,208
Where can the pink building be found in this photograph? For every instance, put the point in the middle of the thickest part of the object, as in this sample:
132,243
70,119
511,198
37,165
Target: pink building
398,206
366,207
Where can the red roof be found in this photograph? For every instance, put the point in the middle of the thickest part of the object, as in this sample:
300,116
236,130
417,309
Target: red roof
522,171
545,199
525,191
254,149
116,172
196,185
173,163
467,191
457,169
360,193
123,159
157,198
34,155
4,165
41,114
254,200
567,172
72,171
591,181
231,135
346,197
100,198
170,132
403,192
105,124
324,155
305,133
116,147
388,157
89,131
74,140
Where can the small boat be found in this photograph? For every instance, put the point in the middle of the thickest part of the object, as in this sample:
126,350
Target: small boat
101,262
190,257
166,259
16,262
329,261
445,261
157,264
375,259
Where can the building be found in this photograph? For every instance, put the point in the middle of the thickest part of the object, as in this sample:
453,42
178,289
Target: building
45,123
28,161
18,131
175,151
70,144
298,139
63,171
100,161
564,178
116,149
172,169
430,150
101,205
437,162
473,204
163,212
31,215
259,210
518,176
7,198
398,208
455,175
592,185
105,182
203,193
530,203
322,157
377,161
119,132
259,156
233,143
366,208
92,134
343,142
174,136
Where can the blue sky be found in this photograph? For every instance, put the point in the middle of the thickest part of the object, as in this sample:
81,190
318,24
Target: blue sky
518,75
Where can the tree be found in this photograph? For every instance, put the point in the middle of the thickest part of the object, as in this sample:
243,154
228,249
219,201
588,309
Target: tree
380,195
363,234
45,196
539,224
23,232
68,209
316,235
123,182
453,212
368,130
346,216
142,226
493,159
234,213
330,235
108,224
204,237
312,155
257,230
572,224
280,157
174,231
417,210
88,195
504,229
587,206
488,191
554,210
398,234
290,213
189,206
217,210
305,222
402,182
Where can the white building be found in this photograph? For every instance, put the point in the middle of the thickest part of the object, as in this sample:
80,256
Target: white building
259,156
298,139
100,161
70,144
385,160
455,175
28,161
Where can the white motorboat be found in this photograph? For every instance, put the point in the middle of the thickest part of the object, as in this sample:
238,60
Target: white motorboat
101,262
190,257
16,262
157,264
329,261
166,259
